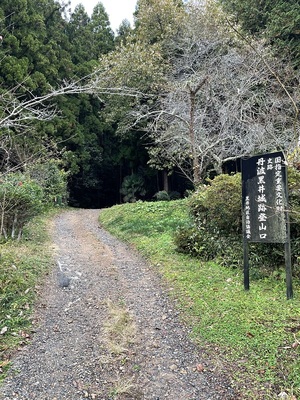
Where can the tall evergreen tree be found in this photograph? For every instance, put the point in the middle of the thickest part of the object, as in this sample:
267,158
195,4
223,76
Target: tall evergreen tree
276,20
123,32
79,35
34,57
141,62
39,50
102,36
83,131
90,37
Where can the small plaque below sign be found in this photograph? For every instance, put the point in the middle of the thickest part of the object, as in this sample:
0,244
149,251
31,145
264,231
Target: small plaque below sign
264,198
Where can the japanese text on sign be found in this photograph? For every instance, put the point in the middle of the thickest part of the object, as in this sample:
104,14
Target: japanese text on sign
264,198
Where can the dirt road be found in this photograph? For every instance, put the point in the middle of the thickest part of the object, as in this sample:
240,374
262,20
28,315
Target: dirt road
107,329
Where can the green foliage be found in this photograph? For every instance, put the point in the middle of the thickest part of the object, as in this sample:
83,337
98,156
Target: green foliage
294,200
162,216
133,188
135,65
252,15
276,20
40,50
21,198
219,204
156,21
22,266
254,335
162,195
33,40
216,231
209,245
52,180
294,191
102,36
89,36
123,32
174,195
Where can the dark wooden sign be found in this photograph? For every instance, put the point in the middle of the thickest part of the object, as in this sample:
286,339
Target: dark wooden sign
265,207
264,198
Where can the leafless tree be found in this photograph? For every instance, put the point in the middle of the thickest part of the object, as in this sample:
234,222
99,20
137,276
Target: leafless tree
223,101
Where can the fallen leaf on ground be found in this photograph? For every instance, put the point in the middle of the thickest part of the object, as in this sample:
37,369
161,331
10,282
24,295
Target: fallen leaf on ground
200,368
3,330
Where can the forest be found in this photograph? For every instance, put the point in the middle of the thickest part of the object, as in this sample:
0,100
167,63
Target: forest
165,109
94,118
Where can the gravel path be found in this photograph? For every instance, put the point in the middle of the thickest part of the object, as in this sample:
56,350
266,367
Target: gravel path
71,357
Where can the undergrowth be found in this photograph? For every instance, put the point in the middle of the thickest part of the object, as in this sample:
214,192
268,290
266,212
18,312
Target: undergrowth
253,335
22,267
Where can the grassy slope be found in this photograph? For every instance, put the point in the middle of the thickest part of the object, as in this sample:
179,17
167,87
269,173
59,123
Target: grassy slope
254,335
22,267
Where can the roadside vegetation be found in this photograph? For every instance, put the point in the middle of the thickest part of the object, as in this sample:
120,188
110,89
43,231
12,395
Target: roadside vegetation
251,336
23,264
27,200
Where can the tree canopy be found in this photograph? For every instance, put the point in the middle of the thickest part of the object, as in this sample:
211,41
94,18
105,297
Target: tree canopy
42,50
190,86
209,95
276,20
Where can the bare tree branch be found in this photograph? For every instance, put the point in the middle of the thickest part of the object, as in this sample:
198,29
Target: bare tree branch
222,102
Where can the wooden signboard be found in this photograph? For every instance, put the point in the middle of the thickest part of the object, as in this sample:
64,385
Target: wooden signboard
265,206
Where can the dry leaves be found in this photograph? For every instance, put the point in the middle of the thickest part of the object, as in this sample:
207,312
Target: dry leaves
3,330
200,368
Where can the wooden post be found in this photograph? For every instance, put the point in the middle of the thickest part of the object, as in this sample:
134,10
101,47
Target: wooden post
288,269
287,248
246,265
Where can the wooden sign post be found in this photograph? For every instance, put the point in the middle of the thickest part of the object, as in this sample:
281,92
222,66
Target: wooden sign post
265,207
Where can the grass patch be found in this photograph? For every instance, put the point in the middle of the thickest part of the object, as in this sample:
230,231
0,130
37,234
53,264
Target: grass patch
139,219
122,386
119,328
256,334
23,264
119,333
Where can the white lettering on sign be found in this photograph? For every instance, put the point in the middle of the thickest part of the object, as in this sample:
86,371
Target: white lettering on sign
279,187
265,198
261,198
247,222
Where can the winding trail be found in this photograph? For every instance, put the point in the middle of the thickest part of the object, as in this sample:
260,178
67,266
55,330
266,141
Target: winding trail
68,357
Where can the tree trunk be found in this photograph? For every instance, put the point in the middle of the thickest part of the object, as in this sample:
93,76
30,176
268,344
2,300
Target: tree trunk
195,159
166,180
2,214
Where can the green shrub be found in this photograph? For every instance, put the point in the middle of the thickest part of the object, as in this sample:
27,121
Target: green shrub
52,179
174,195
162,195
133,188
219,204
294,201
216,232
21,198
208,244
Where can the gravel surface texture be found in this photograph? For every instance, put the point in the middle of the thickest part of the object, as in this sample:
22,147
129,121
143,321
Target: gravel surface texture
70,357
